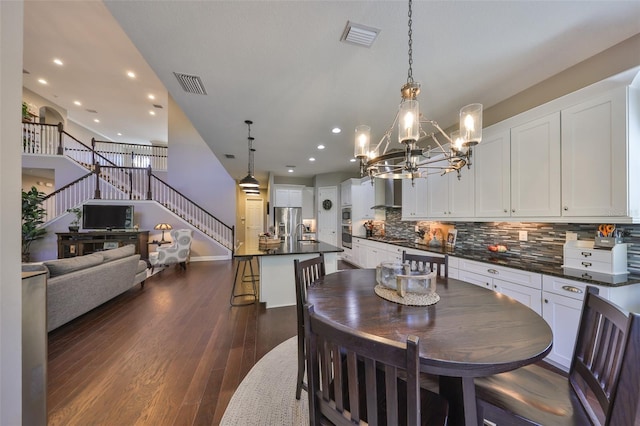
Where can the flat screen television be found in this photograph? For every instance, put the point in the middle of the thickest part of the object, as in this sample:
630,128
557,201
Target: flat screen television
107,216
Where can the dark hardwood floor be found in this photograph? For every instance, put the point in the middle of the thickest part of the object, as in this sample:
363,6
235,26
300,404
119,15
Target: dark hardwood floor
171,353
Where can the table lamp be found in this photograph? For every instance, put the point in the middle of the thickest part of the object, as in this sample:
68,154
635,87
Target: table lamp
163,227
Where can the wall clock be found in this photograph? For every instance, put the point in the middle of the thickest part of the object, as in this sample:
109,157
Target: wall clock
326,204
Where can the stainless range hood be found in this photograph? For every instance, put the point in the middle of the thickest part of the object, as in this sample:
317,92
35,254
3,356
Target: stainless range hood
388,194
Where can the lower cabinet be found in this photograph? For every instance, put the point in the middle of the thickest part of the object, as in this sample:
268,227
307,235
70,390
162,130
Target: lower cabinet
520,285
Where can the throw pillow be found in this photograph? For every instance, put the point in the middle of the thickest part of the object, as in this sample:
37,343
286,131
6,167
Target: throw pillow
64,266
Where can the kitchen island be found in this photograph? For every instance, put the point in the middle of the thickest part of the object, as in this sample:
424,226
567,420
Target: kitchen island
277,285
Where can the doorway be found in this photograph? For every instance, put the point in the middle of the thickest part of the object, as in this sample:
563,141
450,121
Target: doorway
254,223
327,215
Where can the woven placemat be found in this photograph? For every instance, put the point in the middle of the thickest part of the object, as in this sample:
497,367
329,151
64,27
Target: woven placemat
411,299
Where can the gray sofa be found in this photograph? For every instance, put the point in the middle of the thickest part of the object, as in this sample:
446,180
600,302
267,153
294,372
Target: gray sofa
79,284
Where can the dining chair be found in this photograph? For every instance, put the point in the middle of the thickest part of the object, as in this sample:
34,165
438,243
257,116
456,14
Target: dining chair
424,262
307,273
358,378
602,386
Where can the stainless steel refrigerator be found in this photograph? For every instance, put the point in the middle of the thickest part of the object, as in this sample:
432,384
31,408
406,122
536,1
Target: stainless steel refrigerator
287,221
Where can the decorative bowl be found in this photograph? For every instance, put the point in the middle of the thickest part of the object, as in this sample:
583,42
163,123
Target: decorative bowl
400,278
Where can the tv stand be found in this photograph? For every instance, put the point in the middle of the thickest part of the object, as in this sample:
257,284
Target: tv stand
72,244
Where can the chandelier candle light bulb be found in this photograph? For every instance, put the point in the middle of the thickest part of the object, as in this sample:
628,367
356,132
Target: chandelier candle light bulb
471,124
362,141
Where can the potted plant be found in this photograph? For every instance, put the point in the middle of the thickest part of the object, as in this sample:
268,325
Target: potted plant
74,226
32,218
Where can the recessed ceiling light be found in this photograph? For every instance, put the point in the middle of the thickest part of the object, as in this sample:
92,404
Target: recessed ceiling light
290,170
119,134
312,159
131,74
336,130
42,81
320,146
151,97
77,103
96,120
152,113
353,160
58,61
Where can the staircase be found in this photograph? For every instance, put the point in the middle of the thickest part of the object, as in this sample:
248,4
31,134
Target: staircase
117,171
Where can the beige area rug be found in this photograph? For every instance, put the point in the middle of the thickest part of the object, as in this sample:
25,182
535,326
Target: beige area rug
267,395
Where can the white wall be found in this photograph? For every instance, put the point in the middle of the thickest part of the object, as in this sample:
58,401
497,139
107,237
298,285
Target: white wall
11,19
195,171
65,170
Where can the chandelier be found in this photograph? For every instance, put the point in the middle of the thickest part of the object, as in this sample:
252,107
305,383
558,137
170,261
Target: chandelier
249,183
410,160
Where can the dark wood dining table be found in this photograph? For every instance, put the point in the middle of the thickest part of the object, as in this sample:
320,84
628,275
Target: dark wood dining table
470,332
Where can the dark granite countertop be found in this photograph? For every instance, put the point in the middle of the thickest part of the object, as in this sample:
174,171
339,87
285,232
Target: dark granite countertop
511,260
289,247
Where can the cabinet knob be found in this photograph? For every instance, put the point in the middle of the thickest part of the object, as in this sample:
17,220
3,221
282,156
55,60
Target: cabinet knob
546,300
565,208
505,210
513,210
492,271
495,286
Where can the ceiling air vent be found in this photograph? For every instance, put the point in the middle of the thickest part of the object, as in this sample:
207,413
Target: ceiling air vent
230,156
359,35
92,111
191,83
157,106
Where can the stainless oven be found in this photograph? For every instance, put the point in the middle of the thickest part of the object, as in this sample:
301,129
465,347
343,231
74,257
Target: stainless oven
346,235
346,215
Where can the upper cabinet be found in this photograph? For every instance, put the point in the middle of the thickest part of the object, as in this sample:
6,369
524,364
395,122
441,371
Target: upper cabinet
492,162
600,139
518,170
287,196
535,168
569,160
450,195
345,193
414,199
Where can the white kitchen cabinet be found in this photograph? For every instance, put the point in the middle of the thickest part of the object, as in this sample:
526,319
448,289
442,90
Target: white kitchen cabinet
363,198
358,253
598,177
453,267
535,168
345,192
449,196
492,162
287,196
414,199
561,306
522,286
308,203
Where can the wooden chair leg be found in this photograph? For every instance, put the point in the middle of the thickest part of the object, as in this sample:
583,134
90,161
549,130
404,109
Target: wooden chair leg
301,364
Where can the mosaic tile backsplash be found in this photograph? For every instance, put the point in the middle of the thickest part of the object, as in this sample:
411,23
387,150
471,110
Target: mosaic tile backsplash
545,240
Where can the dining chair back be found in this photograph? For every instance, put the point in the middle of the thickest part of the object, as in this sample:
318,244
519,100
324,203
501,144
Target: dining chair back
597,389
427,263
357,378
307,273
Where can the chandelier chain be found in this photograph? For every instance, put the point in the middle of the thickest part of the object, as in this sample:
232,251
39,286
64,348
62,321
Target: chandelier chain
410,71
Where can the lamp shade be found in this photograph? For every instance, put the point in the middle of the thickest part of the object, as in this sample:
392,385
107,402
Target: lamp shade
249,182
409,122
163,227
362,141
471,124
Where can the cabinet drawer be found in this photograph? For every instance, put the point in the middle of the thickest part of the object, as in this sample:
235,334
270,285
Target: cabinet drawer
569,288
591,255
474,278
454,262
588,265
529,279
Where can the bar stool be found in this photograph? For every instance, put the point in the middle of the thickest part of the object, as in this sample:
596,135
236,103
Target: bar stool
244,279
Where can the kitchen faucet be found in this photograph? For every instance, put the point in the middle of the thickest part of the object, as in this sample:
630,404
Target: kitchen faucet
295,231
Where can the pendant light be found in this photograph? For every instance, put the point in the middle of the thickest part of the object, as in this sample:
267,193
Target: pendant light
249,181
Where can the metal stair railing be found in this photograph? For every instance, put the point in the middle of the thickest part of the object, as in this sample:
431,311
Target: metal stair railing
115,182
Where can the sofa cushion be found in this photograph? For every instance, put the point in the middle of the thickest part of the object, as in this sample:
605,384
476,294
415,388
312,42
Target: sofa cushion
64,266
118,253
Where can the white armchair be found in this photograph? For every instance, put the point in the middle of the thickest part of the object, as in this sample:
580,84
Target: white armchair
178,252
